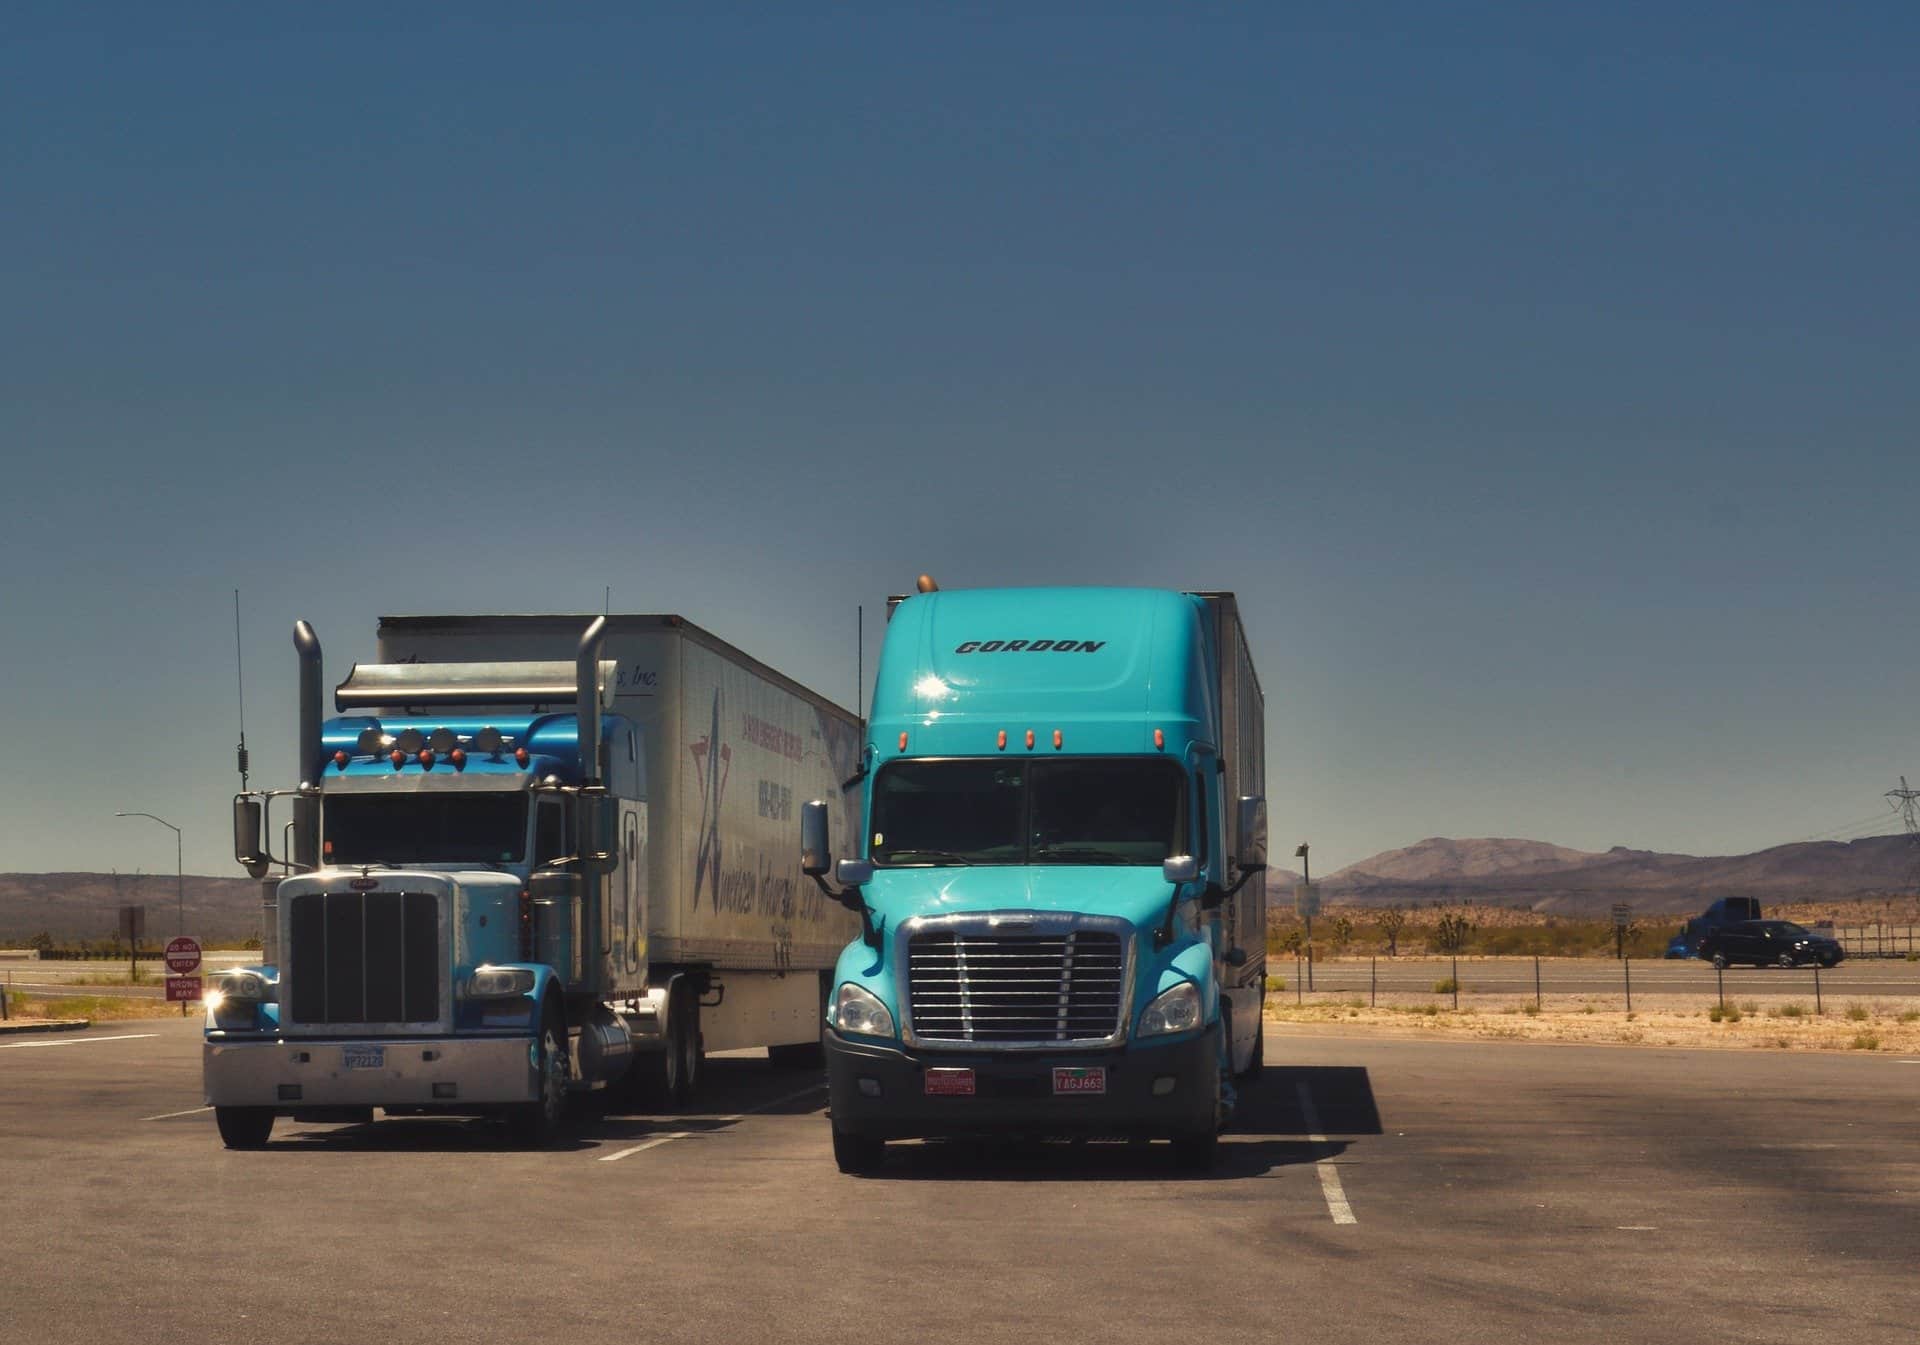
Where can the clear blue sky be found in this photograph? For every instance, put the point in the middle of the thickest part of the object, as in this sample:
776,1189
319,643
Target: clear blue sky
1543,377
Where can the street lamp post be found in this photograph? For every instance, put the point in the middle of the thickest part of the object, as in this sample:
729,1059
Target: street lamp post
1306,910
179,870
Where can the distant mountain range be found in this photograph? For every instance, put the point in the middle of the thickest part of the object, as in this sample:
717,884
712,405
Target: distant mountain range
1554,879
1547,878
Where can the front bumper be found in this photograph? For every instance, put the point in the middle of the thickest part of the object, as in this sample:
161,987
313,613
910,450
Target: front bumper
1014,1092
299,1075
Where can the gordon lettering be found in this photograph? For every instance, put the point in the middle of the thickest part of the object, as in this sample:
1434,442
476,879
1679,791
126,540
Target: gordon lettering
1030,647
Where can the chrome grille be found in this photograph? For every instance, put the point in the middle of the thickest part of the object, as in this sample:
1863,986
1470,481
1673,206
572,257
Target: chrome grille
979,986
364,957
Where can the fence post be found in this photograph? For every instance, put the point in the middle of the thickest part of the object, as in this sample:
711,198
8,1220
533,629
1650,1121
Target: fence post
1720,975
6,998
1296,979
1456,982
1536,982
1373,983
1309,966
1817,1010
1626,967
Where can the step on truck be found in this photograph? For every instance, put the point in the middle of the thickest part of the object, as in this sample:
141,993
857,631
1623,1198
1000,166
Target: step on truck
530,856
1062,833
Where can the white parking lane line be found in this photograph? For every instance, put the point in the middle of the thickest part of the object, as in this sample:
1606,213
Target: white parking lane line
1330,1187
169,1115
73,1041
673,1135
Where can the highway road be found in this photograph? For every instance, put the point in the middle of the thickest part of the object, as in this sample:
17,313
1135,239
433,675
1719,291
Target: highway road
1415,978
1372,1190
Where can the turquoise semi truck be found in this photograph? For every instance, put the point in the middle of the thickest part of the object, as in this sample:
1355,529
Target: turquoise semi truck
1059,873
529,856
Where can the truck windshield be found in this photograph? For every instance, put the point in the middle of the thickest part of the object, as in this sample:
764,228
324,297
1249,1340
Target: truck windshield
1088,810
466,828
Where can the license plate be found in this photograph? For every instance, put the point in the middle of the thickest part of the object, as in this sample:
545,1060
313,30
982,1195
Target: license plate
1092,1079
363,1057
949,1082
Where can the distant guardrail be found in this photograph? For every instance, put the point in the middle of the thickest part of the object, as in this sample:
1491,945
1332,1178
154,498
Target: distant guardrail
1879,940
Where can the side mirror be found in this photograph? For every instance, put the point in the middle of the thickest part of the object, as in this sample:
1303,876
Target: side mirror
1253,832
853,872
599,825
815,848
1179,868
248,816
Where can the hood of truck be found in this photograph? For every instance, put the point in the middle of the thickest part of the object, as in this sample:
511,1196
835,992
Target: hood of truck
1135,893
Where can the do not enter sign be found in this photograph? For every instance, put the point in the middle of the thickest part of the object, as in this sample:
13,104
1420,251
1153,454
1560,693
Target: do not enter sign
183,955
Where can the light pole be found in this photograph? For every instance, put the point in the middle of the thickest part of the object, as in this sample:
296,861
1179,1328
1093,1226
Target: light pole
179,872
1306,905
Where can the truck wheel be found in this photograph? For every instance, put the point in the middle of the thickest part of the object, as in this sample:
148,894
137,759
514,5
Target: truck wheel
536,1124
692,1051
858,1155
244,1127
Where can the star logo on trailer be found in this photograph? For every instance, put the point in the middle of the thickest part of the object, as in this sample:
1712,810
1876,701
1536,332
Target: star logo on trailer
712,760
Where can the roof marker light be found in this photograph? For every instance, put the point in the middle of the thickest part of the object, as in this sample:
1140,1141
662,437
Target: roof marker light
1160,740
1029,740
398,758
1002,742
520,756
426,758
341,759
458,758
1059,739
903,740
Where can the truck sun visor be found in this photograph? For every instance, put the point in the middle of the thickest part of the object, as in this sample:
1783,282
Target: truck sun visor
372,685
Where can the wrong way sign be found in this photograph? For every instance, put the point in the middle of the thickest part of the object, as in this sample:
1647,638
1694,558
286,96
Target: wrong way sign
183,955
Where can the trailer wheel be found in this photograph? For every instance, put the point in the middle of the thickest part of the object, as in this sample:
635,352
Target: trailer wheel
244,1127
692,1048
537,1124
858,1155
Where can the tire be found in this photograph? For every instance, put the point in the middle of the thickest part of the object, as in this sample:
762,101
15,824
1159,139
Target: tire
1786,961
693,1053
858,1155
1719,961
537,1124
244,1127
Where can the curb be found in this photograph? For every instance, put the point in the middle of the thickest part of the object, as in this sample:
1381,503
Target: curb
46,1025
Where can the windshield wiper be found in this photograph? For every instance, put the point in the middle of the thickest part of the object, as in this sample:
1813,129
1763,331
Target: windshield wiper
928,857
1081,854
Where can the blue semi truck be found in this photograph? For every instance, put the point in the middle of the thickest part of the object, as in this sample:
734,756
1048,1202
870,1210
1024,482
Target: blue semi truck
1059,873
530,856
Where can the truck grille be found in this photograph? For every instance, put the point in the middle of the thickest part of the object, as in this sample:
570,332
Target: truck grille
365,957
983,987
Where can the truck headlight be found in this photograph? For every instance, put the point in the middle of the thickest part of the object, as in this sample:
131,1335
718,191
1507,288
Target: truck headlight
857,1010
499,982
1175,1010
247,986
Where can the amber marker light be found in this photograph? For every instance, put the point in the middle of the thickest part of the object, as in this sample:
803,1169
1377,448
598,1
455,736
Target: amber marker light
426,758
1059,740
397,757
340,759
459,759
903,740
520,757
1160,740
1029,740
1002,740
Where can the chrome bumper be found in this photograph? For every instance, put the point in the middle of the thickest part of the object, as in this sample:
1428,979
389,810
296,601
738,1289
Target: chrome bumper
291,1075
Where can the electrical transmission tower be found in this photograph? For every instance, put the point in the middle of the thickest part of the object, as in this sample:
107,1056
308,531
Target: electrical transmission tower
1906,802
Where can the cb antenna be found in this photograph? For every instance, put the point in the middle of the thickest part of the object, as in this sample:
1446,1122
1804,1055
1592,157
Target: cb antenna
860,663
240,678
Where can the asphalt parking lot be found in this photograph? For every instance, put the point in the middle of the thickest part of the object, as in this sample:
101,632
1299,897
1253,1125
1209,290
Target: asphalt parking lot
1373,1189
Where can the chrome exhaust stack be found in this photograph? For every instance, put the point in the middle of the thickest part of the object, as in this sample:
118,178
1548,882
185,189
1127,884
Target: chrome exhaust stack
306,808
587,701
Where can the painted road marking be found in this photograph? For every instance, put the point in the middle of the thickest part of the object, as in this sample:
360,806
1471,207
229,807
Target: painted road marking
169,1115
73,1041
1330,1187
673,1135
